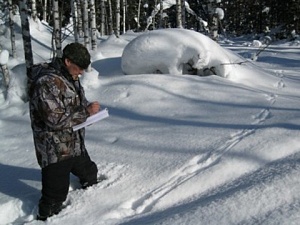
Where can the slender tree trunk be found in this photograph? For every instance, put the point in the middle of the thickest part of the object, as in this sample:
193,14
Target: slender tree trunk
12,30
79,18
178,14
161,13
26,35
124,15
110,20
138,16
102,11
93,24
45,11
74,16
117,30
183,13
154,17
86,24
56,31
33,10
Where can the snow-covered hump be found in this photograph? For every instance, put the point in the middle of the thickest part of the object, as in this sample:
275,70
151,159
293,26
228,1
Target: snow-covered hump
176,51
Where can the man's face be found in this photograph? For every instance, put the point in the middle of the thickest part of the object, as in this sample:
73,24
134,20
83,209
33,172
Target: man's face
73,69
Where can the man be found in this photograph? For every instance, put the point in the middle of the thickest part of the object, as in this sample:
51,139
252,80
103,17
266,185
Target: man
57,102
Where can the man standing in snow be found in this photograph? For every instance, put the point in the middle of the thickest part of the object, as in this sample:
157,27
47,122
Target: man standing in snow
57,102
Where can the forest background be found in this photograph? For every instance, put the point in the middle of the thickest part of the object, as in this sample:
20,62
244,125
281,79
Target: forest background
88,20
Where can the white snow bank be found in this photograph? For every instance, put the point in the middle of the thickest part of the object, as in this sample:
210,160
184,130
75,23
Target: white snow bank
170,51
181,51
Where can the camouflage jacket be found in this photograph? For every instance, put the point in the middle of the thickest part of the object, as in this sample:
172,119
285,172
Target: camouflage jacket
57,103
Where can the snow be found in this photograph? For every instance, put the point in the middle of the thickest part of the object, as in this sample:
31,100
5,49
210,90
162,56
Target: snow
4,56
177,149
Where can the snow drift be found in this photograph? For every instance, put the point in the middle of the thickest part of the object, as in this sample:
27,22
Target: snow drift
181,51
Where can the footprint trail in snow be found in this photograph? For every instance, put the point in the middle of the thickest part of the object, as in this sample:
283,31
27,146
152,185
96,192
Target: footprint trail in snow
194,166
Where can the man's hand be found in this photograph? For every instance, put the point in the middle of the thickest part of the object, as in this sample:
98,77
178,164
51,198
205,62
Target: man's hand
93,108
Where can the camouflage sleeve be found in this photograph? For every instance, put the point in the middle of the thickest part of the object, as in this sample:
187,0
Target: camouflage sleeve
59,107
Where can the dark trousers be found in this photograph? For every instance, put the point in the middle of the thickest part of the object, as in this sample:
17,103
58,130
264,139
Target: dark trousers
56,179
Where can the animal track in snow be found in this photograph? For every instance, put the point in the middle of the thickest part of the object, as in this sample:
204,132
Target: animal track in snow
271,98
191,168
280,84
124,94
262,116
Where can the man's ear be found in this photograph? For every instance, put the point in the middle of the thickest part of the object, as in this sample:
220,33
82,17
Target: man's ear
67,62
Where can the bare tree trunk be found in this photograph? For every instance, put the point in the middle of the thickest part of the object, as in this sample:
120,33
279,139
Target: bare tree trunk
79,18
110,20
117,30
45,11
153,19
74,16
183,13
139,15
12,30
86,24
102,12
57,49
93,24
178,14
161,13
26,35
124,15
33,9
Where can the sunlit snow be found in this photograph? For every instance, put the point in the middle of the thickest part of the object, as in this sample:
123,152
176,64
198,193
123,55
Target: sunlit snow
177,149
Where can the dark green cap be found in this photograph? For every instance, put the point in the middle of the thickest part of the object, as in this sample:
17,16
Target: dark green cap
77,54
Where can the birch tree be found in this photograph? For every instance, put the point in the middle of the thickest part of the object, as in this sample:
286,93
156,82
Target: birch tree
93,24
12,30
183,13
45,10
86,24
56,40
117,29
178,14
33,10
124,4
102,17
161,13
138,15
79,18
26,34
75,19
110,20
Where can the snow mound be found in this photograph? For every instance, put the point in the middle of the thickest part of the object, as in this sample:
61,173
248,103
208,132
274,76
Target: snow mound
183,52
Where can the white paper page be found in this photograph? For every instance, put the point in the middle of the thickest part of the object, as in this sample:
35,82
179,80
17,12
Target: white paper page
93,119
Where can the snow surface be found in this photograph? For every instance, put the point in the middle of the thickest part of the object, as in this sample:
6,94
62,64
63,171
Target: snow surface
4,57
177,149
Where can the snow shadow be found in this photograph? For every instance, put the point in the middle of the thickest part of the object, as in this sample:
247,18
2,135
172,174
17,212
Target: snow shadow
14,181
108,67
124,113
255,181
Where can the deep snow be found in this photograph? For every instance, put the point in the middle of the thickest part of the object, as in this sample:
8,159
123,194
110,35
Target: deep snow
178,149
